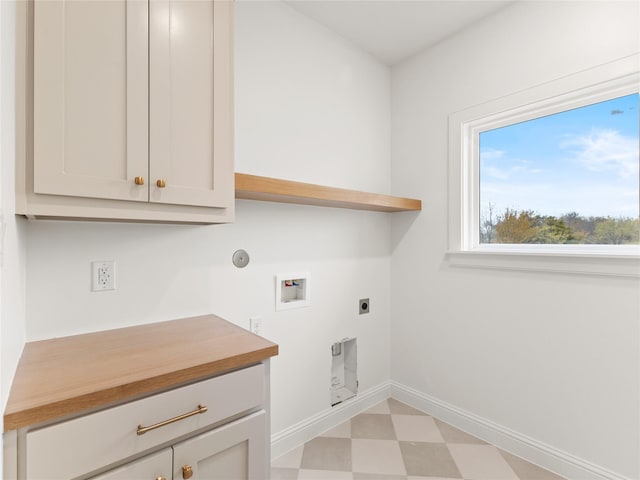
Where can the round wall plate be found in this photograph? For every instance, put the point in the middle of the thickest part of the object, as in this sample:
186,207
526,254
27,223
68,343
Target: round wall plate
240,258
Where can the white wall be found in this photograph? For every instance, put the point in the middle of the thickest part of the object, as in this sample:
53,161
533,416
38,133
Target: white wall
551,357
309,107
12,229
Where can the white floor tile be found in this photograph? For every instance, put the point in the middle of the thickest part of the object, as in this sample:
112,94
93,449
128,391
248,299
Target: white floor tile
324,475
481,462
290,459
382,407
414,428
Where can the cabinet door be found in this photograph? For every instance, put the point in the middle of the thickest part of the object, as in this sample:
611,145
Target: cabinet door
234,452
91,98
152,467
190,94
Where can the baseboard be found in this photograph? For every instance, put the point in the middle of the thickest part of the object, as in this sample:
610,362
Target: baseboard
534,451
303,431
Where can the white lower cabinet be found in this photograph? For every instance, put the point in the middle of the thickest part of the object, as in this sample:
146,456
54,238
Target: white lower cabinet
153,467
233,452
216,428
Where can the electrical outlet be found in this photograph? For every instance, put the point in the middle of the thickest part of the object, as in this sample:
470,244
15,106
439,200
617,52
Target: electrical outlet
364,305
256,325
103,276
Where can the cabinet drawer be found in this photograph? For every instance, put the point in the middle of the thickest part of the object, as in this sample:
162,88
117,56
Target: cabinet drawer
82,445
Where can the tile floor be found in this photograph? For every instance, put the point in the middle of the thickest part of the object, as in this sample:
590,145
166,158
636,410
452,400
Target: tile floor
392,441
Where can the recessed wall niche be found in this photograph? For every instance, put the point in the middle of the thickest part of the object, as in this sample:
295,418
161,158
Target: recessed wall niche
293,290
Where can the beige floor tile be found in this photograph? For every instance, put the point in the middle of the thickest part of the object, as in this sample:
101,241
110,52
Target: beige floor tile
453,435
526,470
368,425
414,428
481,462
324,453
428,478
339,431
290,459
377,456
324,475
429,460
284,474
400,408
375,476
382,408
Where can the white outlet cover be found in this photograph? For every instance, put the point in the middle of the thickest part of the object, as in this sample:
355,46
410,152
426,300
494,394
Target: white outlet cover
103,276
255,324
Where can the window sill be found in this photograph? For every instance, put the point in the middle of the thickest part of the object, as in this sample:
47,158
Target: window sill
578,262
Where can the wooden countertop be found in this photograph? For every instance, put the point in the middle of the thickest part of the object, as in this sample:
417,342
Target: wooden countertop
64,376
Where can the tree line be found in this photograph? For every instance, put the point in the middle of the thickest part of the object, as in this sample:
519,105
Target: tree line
526,226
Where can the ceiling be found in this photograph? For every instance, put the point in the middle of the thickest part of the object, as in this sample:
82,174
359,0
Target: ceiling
392,30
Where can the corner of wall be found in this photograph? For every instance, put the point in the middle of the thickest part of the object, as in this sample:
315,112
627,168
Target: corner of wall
12,228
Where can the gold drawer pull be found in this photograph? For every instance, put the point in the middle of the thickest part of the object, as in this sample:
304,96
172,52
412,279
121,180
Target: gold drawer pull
161,183
142,430
187,471
138,181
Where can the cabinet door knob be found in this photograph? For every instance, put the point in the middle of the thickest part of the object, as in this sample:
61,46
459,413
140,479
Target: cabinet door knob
187,471
161,183
139,180
161,478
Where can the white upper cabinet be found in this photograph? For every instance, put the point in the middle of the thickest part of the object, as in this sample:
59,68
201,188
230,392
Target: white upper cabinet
189,98
132,110
91,101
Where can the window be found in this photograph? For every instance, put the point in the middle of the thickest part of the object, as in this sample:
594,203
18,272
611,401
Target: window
548,178
568,178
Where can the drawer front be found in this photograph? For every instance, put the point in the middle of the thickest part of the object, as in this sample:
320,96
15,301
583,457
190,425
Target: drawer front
82,445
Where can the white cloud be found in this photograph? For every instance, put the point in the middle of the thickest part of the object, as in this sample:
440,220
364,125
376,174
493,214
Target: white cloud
606,150
500,166
495,172
492,154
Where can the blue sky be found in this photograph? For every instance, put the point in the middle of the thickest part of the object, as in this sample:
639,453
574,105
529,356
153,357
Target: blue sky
583,160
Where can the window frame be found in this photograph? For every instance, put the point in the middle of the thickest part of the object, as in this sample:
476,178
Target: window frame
587,87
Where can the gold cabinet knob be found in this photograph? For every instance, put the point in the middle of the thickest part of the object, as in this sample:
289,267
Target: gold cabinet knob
187,471
161,183
161,478
138,180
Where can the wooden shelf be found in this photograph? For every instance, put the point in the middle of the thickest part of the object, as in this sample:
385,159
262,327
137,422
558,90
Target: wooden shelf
253,187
